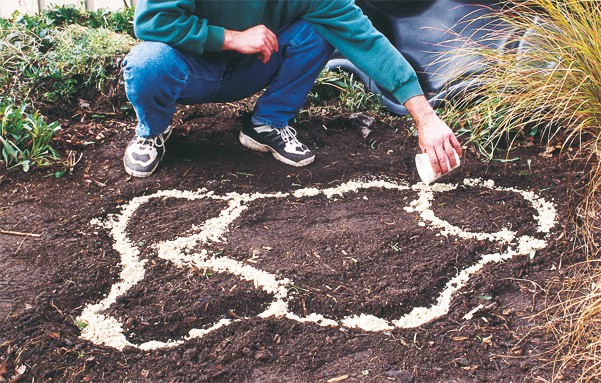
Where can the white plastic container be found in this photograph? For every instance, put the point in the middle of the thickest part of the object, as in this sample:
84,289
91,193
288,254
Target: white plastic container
425,171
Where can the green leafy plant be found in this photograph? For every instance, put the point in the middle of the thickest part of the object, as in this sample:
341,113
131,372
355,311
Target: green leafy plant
350,93
81,56
81,324
120,21
25,138
56,66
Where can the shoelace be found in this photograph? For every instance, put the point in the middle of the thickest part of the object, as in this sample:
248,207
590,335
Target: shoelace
289,136
157,141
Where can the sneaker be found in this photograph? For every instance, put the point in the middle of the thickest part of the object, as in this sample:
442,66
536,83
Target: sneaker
143,154
282,143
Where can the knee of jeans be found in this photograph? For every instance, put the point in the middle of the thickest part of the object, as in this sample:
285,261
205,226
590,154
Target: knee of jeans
306,34
149,63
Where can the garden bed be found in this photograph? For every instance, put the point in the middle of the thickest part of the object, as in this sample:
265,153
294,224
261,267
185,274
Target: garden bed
315,279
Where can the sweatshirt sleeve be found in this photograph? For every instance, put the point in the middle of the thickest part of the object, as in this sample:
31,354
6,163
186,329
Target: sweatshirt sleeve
344,25
173,22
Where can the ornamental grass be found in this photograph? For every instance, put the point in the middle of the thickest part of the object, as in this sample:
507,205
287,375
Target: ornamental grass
545,84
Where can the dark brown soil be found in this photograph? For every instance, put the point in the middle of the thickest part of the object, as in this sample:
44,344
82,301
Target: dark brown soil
363,253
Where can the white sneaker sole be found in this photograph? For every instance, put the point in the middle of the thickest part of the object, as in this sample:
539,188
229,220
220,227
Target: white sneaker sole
139,174
254,145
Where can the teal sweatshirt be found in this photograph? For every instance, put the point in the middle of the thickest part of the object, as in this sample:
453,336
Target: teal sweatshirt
198,26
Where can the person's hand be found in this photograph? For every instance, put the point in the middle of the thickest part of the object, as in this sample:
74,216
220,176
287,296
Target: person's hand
435,136
256,40
438,140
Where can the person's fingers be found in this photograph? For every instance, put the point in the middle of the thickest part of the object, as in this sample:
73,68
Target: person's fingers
269,45
272,40
450,154
443,162
456,145
434,161
266,53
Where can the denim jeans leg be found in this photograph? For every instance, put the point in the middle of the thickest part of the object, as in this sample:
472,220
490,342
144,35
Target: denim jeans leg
306,54
157,76
289,75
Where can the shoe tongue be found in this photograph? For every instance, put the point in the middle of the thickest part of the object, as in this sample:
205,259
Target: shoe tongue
263,128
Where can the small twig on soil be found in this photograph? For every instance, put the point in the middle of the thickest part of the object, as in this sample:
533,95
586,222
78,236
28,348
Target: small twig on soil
187,171
56,308
19,247
10,232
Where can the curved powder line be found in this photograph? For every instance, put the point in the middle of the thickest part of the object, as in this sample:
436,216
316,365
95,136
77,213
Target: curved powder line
547,213
107,330
101,329
423,204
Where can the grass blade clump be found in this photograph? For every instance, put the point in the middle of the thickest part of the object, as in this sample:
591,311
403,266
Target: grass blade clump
546,84
574,321
350,94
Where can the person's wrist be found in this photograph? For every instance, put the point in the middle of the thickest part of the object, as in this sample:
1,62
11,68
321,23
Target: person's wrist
420,110
427,118
229,37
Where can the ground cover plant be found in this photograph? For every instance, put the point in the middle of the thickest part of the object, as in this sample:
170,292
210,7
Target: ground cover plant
52,58
355,239
54,63
26,137
350,94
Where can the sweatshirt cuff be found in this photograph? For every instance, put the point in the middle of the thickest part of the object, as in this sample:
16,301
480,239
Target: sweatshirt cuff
408,90
214,41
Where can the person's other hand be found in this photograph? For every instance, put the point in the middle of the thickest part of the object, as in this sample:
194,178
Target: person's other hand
256,40
435,136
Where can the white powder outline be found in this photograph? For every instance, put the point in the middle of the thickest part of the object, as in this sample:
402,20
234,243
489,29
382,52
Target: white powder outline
106,330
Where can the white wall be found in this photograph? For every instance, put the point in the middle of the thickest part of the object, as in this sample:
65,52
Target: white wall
7,7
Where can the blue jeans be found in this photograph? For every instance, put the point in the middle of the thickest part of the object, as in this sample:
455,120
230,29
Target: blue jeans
159,76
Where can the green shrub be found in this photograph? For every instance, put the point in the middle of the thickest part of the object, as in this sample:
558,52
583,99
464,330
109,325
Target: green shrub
120,21
25,138
56,66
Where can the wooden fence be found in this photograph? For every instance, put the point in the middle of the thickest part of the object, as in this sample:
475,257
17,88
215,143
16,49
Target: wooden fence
7,7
